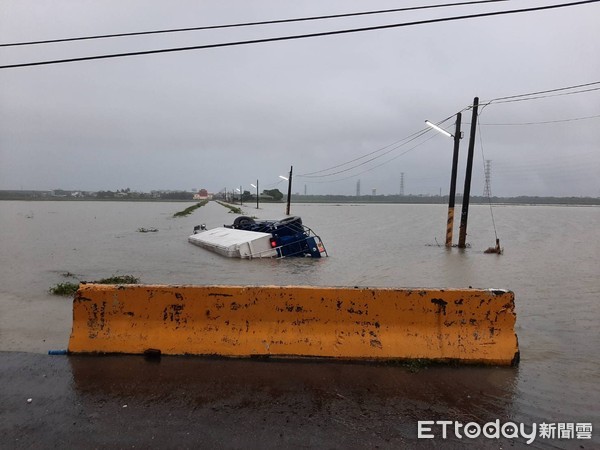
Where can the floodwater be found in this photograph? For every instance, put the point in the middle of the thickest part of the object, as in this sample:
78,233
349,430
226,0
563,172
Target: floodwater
550,261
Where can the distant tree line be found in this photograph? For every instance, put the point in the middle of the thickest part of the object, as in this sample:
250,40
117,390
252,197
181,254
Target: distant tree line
247,196
177,195
277,196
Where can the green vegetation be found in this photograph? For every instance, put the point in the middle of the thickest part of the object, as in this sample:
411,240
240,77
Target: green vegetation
69,288
127,194
191,209
232,209
64,289
416,365
118,279
276,194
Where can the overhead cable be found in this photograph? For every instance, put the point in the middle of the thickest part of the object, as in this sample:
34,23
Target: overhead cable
577,86
537,97
395,145
542,122
414,135
380,164
249,24
418,135
300,36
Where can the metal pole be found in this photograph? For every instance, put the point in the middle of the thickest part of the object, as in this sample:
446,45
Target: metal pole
467,191
289,196
452,195
257,194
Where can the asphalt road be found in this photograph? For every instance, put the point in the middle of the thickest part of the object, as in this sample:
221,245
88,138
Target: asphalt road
184,402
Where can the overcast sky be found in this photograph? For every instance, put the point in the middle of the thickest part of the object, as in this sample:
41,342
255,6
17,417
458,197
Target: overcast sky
223,118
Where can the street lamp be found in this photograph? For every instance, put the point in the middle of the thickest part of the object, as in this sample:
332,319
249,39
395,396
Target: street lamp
240,192
441,130
257,195
452,194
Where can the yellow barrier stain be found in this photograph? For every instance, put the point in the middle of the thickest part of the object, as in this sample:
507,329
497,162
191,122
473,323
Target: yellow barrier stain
465,325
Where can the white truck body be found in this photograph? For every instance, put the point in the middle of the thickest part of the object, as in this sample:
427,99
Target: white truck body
235,243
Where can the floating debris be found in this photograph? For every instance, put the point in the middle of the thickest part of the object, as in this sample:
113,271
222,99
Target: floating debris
497,249
147,230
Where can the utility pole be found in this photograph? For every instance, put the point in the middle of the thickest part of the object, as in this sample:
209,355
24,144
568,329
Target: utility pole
402,184
289,196
452,195
257,194
241,195
467,191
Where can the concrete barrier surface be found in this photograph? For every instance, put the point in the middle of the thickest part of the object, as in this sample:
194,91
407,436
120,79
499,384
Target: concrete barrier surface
464,325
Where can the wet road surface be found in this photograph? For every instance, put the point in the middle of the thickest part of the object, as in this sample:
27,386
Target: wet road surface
177,402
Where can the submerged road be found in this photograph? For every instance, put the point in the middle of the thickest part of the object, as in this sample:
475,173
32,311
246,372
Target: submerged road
183,402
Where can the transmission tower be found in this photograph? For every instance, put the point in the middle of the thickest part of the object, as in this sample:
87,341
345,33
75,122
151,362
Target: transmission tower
402,184
487,189
358,188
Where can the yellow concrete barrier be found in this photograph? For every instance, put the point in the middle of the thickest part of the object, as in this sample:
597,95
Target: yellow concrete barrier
466,325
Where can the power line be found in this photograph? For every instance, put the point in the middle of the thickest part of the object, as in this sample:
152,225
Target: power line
380,164
420,133
542,122
400,143
577,86
397,145
300,36
537,95
248,24
543,96
416,136
314,174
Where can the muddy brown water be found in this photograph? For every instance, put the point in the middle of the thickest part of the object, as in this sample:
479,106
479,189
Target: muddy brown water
550,261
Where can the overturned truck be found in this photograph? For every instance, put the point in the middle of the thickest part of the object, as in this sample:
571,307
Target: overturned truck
447,325
249,239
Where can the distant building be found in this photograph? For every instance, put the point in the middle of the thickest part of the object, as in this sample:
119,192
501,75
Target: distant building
203,195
